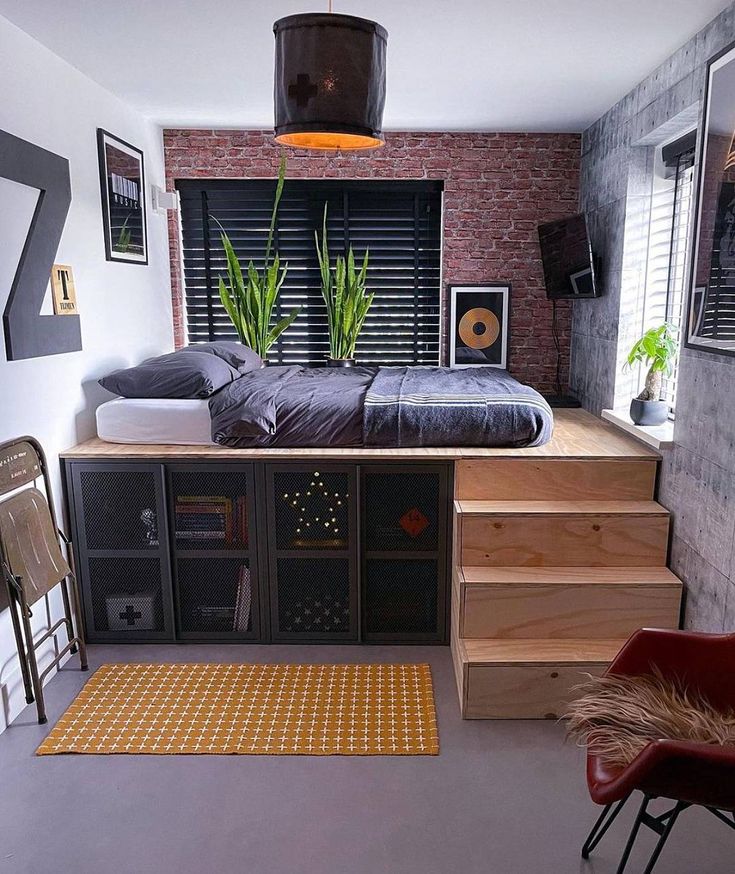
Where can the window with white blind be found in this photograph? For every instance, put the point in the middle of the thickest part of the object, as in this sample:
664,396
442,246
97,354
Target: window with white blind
672,207
398,222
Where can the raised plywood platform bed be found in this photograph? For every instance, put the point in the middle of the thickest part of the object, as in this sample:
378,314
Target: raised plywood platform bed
558,554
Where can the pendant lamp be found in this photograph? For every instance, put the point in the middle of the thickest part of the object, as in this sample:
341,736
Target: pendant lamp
329,87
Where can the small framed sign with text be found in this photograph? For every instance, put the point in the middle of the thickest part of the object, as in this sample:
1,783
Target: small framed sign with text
63,292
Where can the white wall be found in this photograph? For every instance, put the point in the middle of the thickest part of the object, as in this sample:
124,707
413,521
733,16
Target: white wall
125,309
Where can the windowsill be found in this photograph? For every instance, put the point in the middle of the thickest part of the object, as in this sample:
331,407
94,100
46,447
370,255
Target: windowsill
658,436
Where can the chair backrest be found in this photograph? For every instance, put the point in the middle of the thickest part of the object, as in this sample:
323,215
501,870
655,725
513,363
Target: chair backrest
20,464
30,544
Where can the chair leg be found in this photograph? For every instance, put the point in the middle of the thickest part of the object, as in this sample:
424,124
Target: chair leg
25,673
601,826
669,818
32,663
68,614
634,833
80,629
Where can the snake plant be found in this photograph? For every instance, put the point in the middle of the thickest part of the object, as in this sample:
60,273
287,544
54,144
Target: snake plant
251,298
345,295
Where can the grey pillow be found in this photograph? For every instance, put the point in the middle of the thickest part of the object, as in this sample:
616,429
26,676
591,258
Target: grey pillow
237,355
176,375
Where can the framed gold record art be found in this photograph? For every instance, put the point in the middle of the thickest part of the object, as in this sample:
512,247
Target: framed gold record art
478,325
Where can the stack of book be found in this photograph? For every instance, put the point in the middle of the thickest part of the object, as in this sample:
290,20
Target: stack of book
208,517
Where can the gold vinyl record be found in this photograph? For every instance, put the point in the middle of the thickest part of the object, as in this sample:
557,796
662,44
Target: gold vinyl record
479,328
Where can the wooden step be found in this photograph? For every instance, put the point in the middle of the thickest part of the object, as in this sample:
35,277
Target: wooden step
561,533
552,479
525,679
565,602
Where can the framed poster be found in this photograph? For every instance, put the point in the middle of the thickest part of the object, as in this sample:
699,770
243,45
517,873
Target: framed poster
479,325
122,180
710,320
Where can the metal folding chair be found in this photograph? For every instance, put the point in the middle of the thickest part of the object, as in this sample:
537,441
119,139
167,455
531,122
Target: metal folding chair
33,562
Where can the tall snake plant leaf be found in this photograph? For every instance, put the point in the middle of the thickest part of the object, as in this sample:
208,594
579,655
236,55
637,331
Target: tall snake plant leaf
344,293
250,299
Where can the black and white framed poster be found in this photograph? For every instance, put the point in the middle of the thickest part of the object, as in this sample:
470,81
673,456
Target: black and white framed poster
711,309
478,325
122,180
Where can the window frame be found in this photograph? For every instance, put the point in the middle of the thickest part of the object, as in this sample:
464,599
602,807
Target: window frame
404,326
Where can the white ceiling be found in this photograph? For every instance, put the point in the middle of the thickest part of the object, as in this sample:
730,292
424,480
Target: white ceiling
536,65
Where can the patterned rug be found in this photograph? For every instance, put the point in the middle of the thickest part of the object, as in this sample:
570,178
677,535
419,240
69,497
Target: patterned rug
278,710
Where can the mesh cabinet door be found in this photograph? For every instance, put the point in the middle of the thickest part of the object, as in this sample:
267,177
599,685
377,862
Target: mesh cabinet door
121,539
312,549
211,513
404,558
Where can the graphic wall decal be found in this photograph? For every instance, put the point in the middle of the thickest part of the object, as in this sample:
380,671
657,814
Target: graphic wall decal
28,334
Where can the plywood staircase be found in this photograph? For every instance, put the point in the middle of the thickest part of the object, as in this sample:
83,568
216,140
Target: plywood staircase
557,562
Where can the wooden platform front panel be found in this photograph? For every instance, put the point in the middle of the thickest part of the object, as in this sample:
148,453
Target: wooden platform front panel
565,602
591,534
526,679
554,479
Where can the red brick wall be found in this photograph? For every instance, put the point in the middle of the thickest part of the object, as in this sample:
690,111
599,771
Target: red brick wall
497,189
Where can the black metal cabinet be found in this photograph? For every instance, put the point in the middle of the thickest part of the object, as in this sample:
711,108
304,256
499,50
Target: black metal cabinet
121,539
288,551
312,551
404,512
214,557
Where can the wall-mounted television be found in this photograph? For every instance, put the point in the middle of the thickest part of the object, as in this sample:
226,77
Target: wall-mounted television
569,265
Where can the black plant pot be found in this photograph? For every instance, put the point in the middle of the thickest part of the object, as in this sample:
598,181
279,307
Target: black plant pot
341,362
648,412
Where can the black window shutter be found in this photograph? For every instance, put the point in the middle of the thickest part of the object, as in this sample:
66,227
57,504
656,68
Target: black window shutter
398,222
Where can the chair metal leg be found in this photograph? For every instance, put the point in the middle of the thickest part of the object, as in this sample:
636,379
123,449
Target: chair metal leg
20,646
601,826
68,615
76,604
32,663
634,833
669,819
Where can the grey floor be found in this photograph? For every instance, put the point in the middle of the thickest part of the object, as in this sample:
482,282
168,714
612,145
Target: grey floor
501,798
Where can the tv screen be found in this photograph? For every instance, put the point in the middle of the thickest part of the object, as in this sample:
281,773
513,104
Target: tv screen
569,269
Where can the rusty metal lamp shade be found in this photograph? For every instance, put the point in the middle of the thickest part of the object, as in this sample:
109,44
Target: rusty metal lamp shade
329,89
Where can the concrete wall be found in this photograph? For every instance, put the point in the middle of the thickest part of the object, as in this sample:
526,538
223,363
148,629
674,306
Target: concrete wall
698,475
125,309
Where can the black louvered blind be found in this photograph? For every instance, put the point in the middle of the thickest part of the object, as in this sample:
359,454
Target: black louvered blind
399,222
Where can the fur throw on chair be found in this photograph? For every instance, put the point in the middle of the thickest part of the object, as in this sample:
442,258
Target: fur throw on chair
616,716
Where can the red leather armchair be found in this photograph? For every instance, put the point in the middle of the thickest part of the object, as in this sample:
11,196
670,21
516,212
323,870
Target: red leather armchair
685,772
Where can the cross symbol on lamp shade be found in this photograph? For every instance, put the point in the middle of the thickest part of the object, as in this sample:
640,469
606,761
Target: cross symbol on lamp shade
130,614
303,89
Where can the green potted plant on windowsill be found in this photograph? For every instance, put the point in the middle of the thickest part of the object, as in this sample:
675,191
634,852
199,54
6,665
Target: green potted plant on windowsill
656,349
250,297
347,299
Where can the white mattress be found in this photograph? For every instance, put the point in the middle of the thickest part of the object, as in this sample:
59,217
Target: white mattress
149,420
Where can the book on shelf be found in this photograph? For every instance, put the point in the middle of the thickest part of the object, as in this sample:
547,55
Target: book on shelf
205,512
243,600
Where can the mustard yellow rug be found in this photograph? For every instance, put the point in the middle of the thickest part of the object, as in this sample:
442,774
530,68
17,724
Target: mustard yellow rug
278,710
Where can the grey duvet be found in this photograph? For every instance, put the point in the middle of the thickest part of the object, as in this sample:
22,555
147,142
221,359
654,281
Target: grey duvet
380,407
